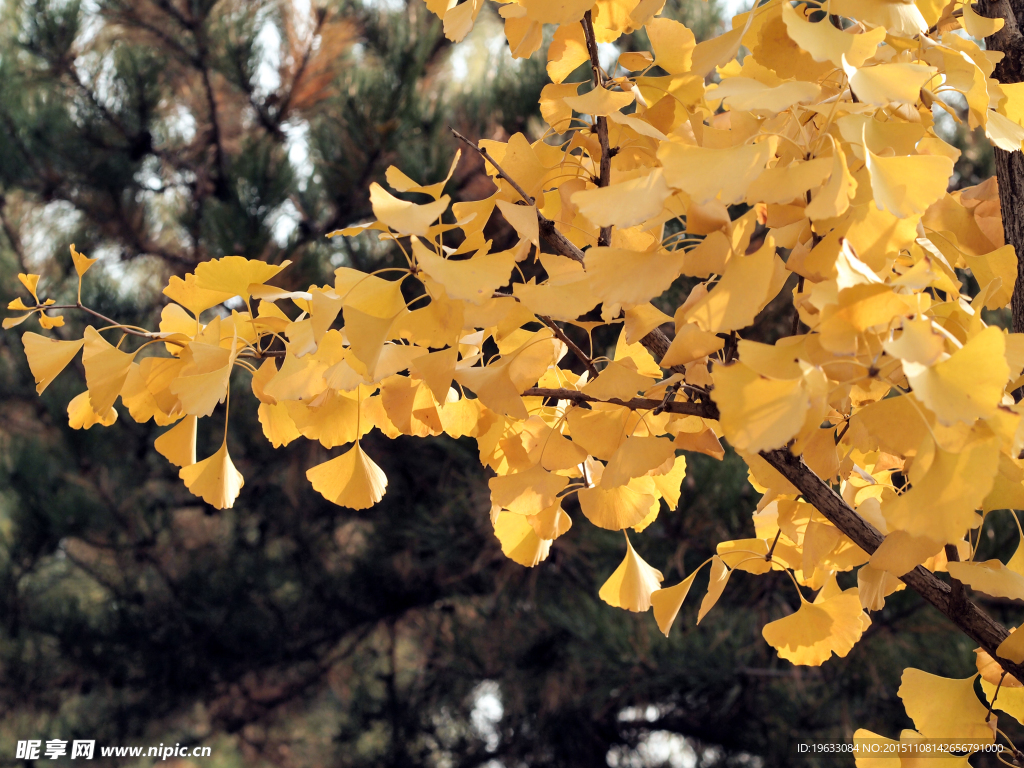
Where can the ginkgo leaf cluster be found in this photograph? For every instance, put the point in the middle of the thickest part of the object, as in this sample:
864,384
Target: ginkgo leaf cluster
814,154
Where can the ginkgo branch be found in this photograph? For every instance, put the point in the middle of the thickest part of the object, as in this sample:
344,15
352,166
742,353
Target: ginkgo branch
970,619
573,347
967,616
482,151
636,404
131,330
600,123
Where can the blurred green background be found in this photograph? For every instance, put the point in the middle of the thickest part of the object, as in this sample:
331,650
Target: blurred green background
288,631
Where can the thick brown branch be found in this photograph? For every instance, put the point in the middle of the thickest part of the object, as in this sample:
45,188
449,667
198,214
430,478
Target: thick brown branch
970,619
1010,165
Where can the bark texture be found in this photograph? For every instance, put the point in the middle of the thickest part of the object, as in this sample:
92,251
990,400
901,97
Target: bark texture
1010,165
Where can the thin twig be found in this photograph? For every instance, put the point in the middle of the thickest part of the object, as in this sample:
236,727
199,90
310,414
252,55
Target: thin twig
482,151
573,347
704,410
104,318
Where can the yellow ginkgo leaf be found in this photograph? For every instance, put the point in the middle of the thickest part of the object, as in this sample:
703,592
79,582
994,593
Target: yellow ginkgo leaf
214,479
278,426
1012,648
550,523
968,385
636,457
942,708
716,586
527,493
556,452
1002,131
632,584
672,43
367,335
641,320
519,541
827,43
941,504
758,413
669,484
748,95
817,630
106,368
351,480
743,291
523,219
234,274
48,357
620,276
556,11
437,369
203,381
31,282
991,577
193,298
608,206
977,25
883,84
600,101
669,600
474,279
14,322
178,444
617,508
716,51
708,174
553,108
1007,493
1000,263
906,186
834,198
918,342
403,183
404,217
567,51
369,294
493,385
48,322
82,263
142,405
82,416
618,380
874,586
750,555
782,185
691,343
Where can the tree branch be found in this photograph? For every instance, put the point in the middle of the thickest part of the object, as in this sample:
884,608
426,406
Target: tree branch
967,616
573,347
636,404
600,123
482,151
1010,165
